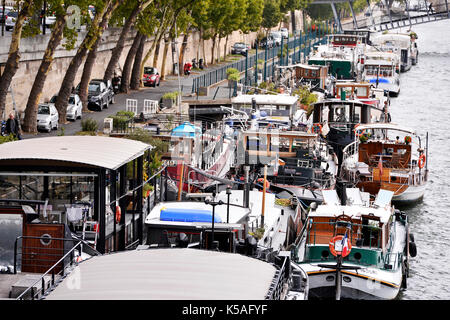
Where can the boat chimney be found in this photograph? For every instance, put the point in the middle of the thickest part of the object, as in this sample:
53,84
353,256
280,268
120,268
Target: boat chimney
246,188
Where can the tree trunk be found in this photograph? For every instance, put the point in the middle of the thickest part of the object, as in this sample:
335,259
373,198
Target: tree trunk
204,53
136,79
88,65
125,81
182,53
156,54
218,50
39,81
294,24
163,65
149,52
117,51
225,48
212,48
12,63
89,41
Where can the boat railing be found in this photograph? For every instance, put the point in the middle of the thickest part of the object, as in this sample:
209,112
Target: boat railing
39,257
300,181
393,260
350,150
32,293
280,279
312,236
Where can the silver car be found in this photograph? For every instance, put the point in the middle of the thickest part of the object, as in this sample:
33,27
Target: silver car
74,107
47,117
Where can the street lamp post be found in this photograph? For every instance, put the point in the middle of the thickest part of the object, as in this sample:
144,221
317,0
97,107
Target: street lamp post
228,203
213,204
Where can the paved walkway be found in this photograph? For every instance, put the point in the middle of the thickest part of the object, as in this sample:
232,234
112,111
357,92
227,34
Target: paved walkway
172,83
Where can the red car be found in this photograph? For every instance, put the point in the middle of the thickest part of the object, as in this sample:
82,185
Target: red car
151,77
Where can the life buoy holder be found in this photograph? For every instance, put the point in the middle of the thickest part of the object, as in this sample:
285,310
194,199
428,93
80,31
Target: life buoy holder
359,133
118,214
422,160
335,252
317,125
261,180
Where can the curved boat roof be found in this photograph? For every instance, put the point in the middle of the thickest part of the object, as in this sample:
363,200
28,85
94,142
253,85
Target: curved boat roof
167,274
97,151
388,126
278,99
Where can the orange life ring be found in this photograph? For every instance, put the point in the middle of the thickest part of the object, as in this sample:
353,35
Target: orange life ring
317,125
118,214
422,160
359,134
333,250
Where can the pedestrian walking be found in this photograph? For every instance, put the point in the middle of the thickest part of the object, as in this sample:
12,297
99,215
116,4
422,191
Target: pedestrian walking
431,8
13,126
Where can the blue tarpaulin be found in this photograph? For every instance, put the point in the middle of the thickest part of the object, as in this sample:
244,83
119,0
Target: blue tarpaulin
188,215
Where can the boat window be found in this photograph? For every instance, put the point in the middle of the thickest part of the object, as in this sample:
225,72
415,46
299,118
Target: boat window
362,91
341,113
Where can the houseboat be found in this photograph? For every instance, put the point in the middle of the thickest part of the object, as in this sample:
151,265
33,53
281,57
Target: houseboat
388,156
382,70
355,248
210,152
343,54
335,119
362,91
230,223
397,43
267,109
299,162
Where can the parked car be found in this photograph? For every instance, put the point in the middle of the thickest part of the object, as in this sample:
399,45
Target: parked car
268,42
50,21
284,32
100,94
276,35
240,48
74,108
3,17
151,77
47,117
10,20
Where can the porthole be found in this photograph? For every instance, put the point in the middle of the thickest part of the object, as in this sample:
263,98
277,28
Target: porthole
325,254
46,239
357,256
347,279
330,278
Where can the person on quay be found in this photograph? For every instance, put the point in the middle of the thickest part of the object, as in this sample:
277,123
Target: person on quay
13,126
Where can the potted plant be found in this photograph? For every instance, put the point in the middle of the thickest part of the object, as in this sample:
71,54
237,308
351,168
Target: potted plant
233,76
170,99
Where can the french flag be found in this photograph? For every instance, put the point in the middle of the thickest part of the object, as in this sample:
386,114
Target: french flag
345,248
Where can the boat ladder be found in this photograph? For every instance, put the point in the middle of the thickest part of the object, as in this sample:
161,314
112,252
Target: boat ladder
90,228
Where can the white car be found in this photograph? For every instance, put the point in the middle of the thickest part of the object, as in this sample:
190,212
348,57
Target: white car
74,107
50,21
47,117
284,33
10,20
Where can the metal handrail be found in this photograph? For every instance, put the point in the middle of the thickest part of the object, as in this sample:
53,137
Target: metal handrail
46,238
41,279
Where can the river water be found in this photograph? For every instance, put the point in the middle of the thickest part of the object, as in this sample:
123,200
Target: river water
424,104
